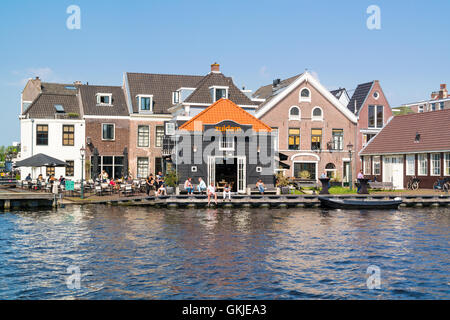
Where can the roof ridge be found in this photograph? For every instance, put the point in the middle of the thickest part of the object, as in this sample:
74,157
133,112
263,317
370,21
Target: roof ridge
166,74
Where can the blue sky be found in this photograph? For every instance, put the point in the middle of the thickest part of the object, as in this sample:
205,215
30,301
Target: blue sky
254,41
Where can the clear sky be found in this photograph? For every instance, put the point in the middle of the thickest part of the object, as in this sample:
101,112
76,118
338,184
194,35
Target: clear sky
254,41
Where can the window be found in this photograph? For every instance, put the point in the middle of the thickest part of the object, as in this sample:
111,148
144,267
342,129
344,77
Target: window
423,164
275,138
447,164
108,131
221,93
367,137
375,116
435,164
420,109
367,165
50,171
42,135
330,170
104,98
317,114
218,93
59,108
294,113
316,139
305,170
410,165
159,136
170,129
145,103
142,167
441,105
338,139
376,165
70,168
143,136
175,97
113,165
305,95
294,139
433,107
226,143
68,135
158,165
376,95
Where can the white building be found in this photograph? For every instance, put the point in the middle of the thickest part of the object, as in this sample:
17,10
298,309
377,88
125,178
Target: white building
52,125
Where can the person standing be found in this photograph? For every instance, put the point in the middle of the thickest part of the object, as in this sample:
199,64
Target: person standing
359,177
149,184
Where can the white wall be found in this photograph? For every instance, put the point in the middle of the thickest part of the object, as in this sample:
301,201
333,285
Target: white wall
55,146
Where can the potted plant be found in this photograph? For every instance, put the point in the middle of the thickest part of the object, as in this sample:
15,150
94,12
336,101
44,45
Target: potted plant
171,180
305,175
283,183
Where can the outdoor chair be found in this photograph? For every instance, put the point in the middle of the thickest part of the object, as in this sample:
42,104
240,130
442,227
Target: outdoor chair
98,190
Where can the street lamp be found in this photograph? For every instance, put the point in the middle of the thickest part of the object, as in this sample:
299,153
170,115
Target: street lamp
82,153
350,149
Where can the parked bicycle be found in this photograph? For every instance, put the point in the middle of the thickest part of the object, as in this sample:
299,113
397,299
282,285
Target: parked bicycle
442,184
413,183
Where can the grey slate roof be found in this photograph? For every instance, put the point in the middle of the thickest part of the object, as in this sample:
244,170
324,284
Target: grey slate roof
359,96
202,93
267,91
58,88
160,86
338,92
43,107
89,101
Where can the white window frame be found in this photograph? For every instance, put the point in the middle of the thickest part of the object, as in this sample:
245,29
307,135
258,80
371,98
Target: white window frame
114,131
419,163
375,124
214,88
304,99
447,164
170,129
375,161
137,167
139,96
366,166
410,166
441,105
433,166
148,141
175,94
293,117
315,118
99,95
226,148
156,136
420,109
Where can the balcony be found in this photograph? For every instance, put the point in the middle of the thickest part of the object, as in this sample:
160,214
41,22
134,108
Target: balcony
168,146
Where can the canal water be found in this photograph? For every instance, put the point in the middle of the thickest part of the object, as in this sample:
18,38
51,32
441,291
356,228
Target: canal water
100,252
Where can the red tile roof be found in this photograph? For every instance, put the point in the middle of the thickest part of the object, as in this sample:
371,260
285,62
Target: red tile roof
225,109
399,135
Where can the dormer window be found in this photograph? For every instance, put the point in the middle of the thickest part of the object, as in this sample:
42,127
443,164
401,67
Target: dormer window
104,99
175,97
145,103
218,92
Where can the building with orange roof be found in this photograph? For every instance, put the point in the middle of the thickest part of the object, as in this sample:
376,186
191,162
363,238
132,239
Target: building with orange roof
224,144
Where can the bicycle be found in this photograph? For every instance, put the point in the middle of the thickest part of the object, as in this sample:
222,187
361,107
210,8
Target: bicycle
442,184
413,183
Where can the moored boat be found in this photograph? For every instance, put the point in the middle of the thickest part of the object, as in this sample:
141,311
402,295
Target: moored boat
359,204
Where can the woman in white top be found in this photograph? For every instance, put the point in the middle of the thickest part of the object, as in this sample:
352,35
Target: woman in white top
212,192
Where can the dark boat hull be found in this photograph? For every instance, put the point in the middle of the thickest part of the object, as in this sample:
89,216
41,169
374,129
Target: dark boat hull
359,204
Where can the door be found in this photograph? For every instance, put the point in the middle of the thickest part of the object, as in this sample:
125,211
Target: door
393,171
346,172
211,170
241,175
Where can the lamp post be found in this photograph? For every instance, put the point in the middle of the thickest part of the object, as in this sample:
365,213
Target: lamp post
350,149
82,153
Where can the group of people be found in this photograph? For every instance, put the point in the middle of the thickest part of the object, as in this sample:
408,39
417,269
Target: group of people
156,183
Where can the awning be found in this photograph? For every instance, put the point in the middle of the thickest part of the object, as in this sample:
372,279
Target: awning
40,160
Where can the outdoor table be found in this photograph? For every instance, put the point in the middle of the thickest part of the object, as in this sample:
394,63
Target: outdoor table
363,186
325,182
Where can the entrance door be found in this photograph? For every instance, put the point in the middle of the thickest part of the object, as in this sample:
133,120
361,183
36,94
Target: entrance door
241,175
393,171
346,172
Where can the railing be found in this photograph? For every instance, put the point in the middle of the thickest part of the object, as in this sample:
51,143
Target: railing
168,146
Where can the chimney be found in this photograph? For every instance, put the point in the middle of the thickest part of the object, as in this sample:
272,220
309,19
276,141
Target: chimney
443,93
215,67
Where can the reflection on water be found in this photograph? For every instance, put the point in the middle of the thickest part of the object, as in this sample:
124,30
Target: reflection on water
144,253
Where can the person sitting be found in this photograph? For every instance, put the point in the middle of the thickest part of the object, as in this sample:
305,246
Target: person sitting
260,186
51,179
161,188
212,193
188,186
227,192
28,178
201,185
